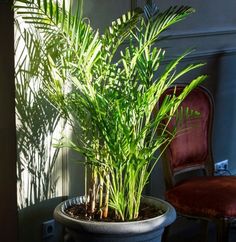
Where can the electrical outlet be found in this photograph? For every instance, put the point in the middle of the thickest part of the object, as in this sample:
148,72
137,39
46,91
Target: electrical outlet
48,229
222,165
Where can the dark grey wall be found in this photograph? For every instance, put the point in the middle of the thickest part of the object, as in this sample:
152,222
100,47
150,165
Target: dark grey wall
225,115
101,13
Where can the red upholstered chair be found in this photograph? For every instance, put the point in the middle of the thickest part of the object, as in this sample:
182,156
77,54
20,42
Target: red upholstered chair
199,194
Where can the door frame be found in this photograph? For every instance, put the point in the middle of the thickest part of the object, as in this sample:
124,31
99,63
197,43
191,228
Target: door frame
8,201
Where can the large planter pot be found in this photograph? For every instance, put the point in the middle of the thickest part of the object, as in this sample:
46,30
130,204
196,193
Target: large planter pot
136,231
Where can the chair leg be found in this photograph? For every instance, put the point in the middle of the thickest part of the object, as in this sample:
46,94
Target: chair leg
222,226
204,228
166,234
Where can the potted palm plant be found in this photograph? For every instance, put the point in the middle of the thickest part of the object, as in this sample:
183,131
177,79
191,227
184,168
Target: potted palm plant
107,87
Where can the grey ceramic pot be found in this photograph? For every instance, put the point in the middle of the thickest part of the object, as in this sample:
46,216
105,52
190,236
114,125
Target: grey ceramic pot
149,230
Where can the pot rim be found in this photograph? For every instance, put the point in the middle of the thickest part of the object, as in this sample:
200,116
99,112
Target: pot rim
144,226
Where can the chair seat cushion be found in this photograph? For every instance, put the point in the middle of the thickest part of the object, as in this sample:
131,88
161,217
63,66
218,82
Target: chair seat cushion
205,196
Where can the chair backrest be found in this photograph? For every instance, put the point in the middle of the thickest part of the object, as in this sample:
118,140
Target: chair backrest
192,149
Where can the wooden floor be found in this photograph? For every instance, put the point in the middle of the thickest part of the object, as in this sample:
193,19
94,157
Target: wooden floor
184,230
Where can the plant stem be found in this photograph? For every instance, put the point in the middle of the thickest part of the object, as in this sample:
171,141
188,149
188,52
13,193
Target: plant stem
105,212
101,194
93,192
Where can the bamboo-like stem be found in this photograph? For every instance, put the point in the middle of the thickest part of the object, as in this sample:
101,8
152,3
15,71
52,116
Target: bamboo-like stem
94,188
101,185
86,185
106,203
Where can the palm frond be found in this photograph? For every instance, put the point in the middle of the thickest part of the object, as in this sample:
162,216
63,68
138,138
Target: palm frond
150,10
120,29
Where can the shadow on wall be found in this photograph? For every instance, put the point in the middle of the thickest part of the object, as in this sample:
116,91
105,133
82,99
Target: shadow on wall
222,71
37,122
76,171
213,71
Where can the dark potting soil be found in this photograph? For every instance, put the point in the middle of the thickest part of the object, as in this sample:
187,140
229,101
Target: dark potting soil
78,211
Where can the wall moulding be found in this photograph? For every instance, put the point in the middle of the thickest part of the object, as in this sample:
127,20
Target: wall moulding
203,55
200,34
205,44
